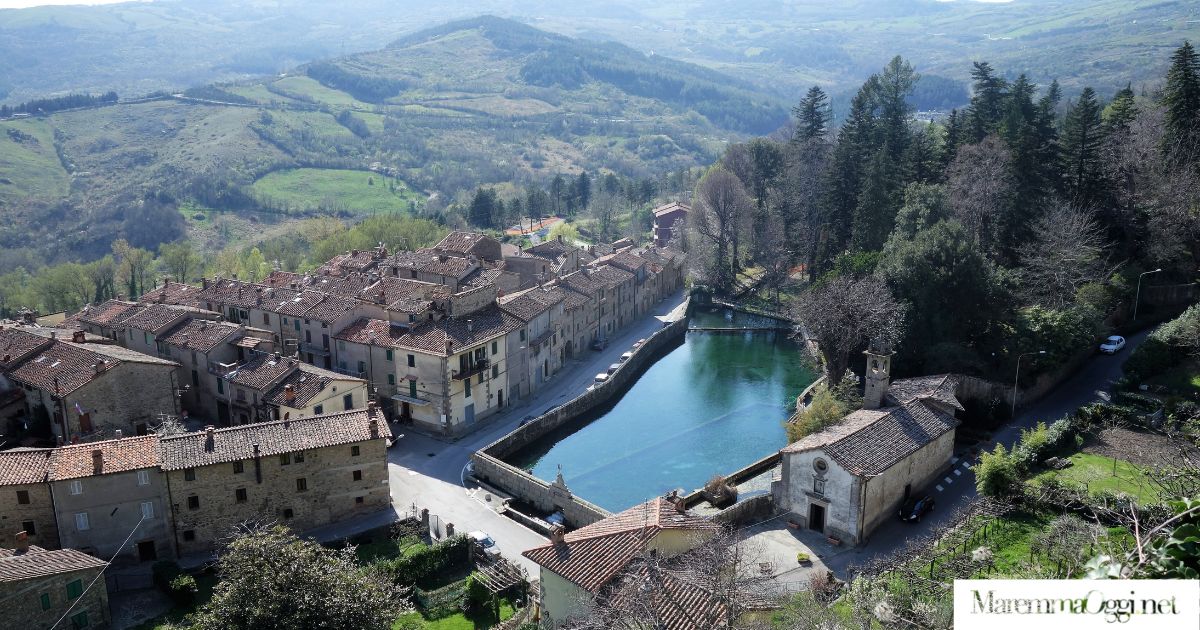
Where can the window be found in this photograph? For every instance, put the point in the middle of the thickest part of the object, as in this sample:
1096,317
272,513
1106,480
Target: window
189,535
238,467
189,474
74,589
348,402
241,394
240,495
820,465
195,376
412,361
285,459
495,348
76,487
193,502
818,485
45,601
80,620
22,497
147,510
146,338
479,379
467,390
388,354
81,522
412,389
302,485
391,379
267,318
522,334
341,345
354,452
285,321
358,475
362,366
143,477
495,371
319,409
29,528
299,457
288,513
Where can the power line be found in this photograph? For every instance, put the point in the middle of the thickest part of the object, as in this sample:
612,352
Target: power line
101,573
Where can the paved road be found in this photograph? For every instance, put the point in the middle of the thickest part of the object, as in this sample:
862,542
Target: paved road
428,472
956,487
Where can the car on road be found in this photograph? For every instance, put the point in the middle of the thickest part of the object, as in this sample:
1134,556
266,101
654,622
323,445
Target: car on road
526,420
915,507
638,344
485,543
626,356
601,377
613,368
599,344
1112,345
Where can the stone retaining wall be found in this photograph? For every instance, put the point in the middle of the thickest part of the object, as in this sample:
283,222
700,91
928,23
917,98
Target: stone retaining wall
738,476
489,461
752,510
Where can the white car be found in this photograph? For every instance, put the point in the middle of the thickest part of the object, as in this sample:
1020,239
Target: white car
485,542
1112,345
626,356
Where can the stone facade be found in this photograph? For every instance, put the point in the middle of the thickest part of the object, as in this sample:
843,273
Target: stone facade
113,506
28,507
38,587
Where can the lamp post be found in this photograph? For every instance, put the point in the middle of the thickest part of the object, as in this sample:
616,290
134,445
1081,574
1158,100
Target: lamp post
1137,296
1017,379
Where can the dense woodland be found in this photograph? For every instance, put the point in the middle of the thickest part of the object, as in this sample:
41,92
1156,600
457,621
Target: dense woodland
1019,223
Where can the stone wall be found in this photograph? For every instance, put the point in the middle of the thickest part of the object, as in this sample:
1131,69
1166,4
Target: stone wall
39,511
1170,295
489,461
738,476
114,404
748,512
23,601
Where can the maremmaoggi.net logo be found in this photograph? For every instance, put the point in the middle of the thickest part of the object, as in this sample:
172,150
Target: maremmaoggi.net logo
1069,604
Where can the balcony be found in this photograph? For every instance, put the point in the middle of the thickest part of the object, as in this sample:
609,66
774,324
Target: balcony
350,373
480,365
313,348
221,369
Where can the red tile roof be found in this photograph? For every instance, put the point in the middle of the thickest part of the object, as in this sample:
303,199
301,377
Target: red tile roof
24,466
305,385
62,368
16,344
192,450
464,242
201,335
157,317
38,562
668,208
108,313
122,455
172,293
262,371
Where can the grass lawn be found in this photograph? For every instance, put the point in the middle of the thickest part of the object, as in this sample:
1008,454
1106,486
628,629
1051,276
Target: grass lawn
1096,473
458,621
29,165
358,192
205,583
386,548
311,88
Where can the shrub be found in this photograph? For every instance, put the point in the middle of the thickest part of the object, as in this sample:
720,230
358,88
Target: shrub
164,571
477,597
719,491
1166,346
421,565
183,590
997,473
824,410
802,557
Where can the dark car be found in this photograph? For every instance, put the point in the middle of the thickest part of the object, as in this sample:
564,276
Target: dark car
526,420
915,507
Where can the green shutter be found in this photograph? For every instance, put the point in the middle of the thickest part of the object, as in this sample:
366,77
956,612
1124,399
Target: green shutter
391,379
80,620
389,355
45,601
74,589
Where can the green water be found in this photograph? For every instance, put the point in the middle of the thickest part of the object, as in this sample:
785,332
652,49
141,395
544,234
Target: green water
711,405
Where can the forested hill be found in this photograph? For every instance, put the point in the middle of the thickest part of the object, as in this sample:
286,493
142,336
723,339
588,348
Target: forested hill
485,101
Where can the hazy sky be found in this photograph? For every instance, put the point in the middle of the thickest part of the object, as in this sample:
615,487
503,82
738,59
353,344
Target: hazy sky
21,4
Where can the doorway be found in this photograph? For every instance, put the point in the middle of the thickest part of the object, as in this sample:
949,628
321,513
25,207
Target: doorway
816,518
147,551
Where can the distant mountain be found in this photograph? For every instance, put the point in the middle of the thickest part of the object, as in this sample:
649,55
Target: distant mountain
474,102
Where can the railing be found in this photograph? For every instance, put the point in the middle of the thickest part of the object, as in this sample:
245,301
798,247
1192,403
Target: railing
480,365
350,373
221,369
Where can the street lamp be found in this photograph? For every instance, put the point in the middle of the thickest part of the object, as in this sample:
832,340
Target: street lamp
1138,295
1017,379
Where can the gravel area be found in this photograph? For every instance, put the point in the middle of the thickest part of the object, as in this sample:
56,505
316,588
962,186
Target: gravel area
1137,447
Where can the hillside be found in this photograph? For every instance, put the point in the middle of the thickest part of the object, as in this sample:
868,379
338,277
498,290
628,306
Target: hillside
479,101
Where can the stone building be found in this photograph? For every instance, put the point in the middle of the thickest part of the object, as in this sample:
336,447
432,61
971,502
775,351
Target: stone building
268,387
669,222
576,568
26,504
201,348
143,328
535,352
845,480
466,244
84,388
106,492
303,473
38,587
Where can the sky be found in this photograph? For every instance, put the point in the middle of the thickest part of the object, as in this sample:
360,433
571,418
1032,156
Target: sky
21,4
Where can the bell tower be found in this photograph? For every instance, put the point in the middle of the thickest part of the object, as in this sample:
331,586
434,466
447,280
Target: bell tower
878,373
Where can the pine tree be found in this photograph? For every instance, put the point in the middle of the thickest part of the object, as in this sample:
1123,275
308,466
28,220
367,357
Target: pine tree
878,203
854,147
987,104
583,190
1181,96
813,115
954,137
1082,144
1121,112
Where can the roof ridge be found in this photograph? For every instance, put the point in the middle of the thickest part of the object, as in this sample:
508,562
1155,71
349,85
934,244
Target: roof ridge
126,440
324,416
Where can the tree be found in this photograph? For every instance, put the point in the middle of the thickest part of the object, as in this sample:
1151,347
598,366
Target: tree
270,579
179,260
103,274
566,231
1121,112
878,202
1068,253
722,208
1181,97
583,190
1082,151
845,313
133,267
482,211
829,405
255,265
987,104
812,115
925,205
980,189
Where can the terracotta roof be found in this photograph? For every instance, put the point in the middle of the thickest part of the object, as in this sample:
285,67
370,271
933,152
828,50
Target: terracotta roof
230,293
108,313
410,304
38,562
172,293
449,266
591,556
582,282
411,260
551,249
481,277
523,306
673,206
16,344
262,371
331,308
869,441
350,285
306,385
680,600
63,368
463,242
279,278
290,302
114,352
486,324
123,455
192,450
373,332
940,387
627,261
610,276
22,467
201,335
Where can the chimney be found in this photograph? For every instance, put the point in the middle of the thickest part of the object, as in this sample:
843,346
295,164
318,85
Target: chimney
470,326
449,345
97,461
289,394
208,431
560,238
78,336
22,544
204,283
557,534
373,427
53,335
118,434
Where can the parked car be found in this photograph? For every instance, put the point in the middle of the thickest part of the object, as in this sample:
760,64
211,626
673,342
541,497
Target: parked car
485,542
915,507
1112,345
626,356
601,377
526,420
614,367
638,344
599,344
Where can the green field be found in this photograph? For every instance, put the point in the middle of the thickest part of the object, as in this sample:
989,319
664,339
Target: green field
309,88
313,189
1095,473
29,166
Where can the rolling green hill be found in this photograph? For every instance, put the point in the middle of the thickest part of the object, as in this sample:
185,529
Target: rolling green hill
473,102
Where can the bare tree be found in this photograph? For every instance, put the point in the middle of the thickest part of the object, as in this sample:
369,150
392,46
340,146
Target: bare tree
981,188
719,218
845,314
1069,252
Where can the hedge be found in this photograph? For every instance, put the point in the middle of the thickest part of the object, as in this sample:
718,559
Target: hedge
1166,347
421,566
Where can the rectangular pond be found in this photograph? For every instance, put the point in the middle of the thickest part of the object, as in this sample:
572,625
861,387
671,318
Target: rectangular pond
711,405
